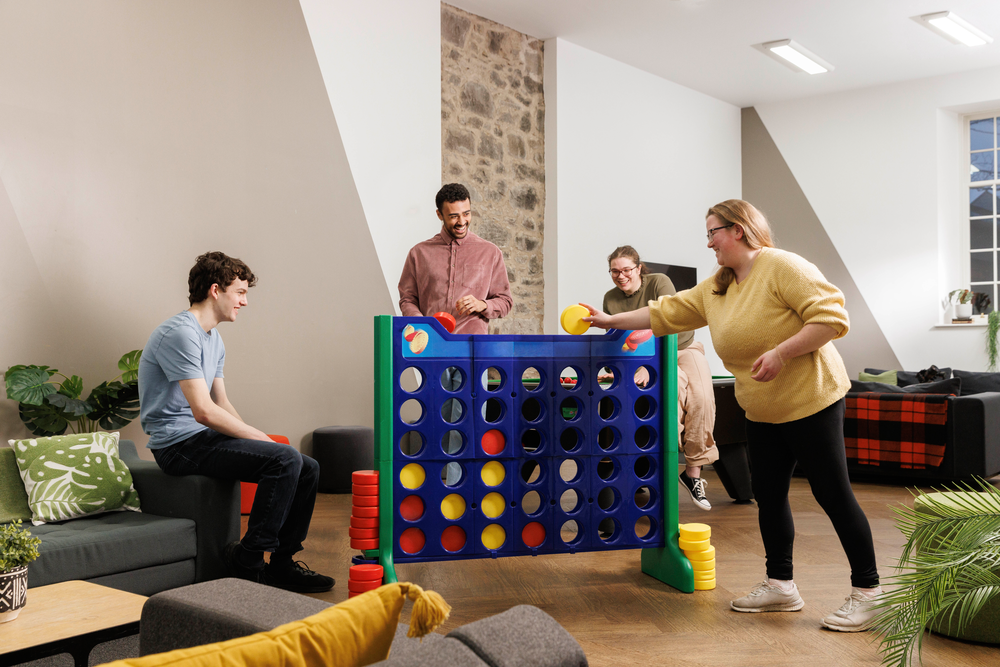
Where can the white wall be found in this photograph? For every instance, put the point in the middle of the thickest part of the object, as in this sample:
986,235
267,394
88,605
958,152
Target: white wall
632,159
881,168
381,63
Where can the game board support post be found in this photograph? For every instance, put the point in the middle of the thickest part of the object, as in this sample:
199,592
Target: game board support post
383,442
668,563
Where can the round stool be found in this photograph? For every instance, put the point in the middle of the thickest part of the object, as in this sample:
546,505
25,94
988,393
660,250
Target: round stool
340,450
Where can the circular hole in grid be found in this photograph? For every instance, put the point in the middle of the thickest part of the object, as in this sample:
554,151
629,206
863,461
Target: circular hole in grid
570,409
452,474
531,472
452,411
453,507
493,442
493,410
645,377
644,527
606,378
571,439
569,378
608,408
607,468
645,437
531,440
569,501
531,379
453,539
531,502
452,378
644,497
608,438
644,407
608,498
411,508
533,535
412,540
492,379
411,380
607,529
411,411
643,467
531,410
569,532
569,470
452,442
411,443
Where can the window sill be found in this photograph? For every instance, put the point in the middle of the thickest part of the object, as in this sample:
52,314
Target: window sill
973,325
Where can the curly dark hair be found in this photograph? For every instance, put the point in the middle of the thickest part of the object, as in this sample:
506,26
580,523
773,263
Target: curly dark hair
216,268
451,192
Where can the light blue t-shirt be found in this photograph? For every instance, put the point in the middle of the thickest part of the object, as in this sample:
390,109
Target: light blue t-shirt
179,349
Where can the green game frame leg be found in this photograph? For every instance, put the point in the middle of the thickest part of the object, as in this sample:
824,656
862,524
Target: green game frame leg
383,443
668,564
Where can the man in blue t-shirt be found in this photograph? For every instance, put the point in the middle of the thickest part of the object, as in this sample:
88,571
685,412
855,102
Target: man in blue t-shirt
194,429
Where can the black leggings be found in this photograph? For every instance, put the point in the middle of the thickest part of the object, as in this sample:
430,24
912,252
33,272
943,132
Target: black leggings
816,443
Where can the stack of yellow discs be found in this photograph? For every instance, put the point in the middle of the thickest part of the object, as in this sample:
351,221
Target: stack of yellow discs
695,543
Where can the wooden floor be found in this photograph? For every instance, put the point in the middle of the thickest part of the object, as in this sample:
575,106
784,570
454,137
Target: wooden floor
622,617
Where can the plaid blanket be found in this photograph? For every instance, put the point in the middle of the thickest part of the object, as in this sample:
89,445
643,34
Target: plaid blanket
905,429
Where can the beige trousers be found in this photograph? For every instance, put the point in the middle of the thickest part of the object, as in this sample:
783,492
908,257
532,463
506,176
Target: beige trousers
696,399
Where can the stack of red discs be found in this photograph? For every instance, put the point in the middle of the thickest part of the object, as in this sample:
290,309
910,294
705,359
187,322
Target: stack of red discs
364,510
363,578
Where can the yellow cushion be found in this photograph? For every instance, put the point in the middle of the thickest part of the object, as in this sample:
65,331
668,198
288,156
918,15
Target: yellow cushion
353,633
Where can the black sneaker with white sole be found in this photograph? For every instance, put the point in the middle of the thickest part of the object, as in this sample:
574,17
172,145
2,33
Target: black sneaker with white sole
696,487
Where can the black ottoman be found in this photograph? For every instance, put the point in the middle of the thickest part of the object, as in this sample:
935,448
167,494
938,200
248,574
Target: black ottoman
340,450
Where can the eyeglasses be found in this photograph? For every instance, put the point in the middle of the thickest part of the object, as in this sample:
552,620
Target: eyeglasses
712,231
628,272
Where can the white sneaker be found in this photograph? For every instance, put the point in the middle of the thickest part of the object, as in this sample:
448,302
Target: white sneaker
765,597
696,487
856,615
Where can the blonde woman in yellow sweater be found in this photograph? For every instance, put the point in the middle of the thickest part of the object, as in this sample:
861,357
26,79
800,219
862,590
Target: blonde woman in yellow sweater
772,316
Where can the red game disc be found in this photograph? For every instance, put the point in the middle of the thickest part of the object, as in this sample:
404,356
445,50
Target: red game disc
363,533
533,534
453,538
411,541
364,489
412,508
364,477
362,522
364,512
364,501
365,572
362,586
363,545
493,442
447,320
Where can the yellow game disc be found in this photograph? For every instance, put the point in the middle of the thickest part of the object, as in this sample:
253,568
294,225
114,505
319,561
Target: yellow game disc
494,536
703,565
707,575
493,505
493,473
453,506
693,545
412,476
705,554
704,585
571,319
695,531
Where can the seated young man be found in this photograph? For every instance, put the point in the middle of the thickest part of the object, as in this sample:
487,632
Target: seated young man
193,428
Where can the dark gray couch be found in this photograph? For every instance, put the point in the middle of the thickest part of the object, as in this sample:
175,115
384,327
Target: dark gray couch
225,609
176,540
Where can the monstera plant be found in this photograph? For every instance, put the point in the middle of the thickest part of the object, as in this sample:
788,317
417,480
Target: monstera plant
49,405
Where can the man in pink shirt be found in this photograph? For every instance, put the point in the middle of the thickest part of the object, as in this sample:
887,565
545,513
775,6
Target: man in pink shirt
455,271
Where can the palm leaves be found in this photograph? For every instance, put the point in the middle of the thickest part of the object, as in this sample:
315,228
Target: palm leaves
950,568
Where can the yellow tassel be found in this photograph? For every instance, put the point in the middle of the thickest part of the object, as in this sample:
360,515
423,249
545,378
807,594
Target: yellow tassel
429,611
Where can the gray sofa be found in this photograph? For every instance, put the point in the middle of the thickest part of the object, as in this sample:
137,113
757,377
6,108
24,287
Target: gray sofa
225,609
176,540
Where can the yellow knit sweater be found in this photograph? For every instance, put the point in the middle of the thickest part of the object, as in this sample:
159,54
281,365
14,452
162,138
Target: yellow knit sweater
782,293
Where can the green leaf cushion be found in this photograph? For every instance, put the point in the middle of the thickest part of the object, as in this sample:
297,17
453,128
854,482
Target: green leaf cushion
69,476
886,377
13,499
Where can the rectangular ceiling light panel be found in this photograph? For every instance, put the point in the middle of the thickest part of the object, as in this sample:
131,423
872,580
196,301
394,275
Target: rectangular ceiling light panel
797,57
954,29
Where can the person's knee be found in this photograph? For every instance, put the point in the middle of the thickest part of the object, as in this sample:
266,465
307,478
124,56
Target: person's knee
310,468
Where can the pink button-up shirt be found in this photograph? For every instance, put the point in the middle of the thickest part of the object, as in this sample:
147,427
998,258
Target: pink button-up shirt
441,270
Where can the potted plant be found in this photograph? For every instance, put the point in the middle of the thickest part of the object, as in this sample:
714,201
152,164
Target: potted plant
992,350
962,299
17,549
49,407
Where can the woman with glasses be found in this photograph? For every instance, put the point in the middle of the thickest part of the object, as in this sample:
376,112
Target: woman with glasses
772,316
634,288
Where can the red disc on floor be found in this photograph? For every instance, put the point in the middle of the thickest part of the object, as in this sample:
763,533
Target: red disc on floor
412,540
364,489
493,442
453,538
362,586
363,545
533,534
363,533
364,512
365,572
364,501
362,522
364,477
412,508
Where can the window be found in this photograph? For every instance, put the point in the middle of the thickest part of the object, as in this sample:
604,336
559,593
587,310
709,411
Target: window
983,191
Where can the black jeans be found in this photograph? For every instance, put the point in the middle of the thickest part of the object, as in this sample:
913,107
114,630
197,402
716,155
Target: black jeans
816,443
286,484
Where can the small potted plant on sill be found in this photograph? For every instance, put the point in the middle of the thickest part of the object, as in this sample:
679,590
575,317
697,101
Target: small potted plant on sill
962,300
17,549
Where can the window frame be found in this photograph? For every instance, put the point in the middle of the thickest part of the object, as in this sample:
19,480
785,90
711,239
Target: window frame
966,184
